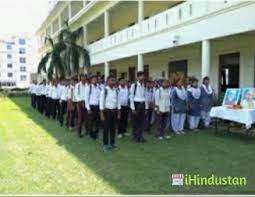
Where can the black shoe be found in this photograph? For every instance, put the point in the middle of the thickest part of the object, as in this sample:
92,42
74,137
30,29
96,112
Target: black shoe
113,146
142,140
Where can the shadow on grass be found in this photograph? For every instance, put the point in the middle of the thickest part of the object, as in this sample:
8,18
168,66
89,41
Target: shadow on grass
147,168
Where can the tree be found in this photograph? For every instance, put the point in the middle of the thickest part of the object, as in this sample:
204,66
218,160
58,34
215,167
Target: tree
66,56
52,64
75,56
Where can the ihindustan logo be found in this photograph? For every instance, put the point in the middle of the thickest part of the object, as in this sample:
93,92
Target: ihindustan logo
180,179
213,180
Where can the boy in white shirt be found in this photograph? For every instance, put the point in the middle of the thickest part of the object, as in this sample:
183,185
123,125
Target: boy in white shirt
70,105
92,95
109,112
63,101
162,108
123,95
79,93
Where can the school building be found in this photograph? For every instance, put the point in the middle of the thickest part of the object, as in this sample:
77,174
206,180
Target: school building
213,38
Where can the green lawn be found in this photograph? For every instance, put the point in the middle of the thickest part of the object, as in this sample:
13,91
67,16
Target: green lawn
37,156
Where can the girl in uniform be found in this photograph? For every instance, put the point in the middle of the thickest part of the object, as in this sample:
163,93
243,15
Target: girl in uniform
206,101
194,104
179,105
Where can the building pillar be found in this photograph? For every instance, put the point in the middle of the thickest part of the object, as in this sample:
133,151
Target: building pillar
140,62
106,70
69,10
106,23
85,35
140,11
206,58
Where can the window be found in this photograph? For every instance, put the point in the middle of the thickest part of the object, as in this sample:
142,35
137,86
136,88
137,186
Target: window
22,69
22,41
9,46
22,60
10,75
9,65
23,77
22,50
9,56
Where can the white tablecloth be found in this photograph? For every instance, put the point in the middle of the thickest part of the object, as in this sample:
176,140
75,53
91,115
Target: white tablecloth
243,116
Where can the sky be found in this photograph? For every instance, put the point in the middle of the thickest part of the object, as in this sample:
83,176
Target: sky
22,17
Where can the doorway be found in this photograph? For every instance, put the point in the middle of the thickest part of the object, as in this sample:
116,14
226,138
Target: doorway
229,71
180,66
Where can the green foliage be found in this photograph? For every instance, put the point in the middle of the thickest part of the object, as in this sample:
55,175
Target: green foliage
64,58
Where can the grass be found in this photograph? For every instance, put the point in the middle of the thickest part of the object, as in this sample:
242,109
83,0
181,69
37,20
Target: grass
37,156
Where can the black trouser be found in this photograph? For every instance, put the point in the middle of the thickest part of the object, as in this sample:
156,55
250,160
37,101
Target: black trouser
123,122
138,120
38,102
161,124
43,103
48,107
63,106
109,126
94,121
54,108
148,119
33,100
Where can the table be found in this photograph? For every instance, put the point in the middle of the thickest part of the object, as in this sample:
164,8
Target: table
242,116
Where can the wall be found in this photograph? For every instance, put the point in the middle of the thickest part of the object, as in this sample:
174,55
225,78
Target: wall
158,61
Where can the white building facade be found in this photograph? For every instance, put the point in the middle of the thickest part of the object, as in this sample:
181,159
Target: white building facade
15,62
198,38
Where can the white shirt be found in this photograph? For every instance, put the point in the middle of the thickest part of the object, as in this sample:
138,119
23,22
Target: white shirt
38,90
43,89
138,96
123,96
162,99
79,92
108,98
92,95
54,92
59,89
48,87
32,88
64,92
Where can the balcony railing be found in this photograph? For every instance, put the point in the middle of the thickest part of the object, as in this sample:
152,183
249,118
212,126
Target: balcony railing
168,19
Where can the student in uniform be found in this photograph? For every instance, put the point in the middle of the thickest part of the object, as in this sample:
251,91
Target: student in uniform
123,96
92,95
70,105
194,104
79,92
150,99
109,113
63,101
206,101
54,99
179,105
48,99
43,96
162,108
59,89
38,96
138,105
